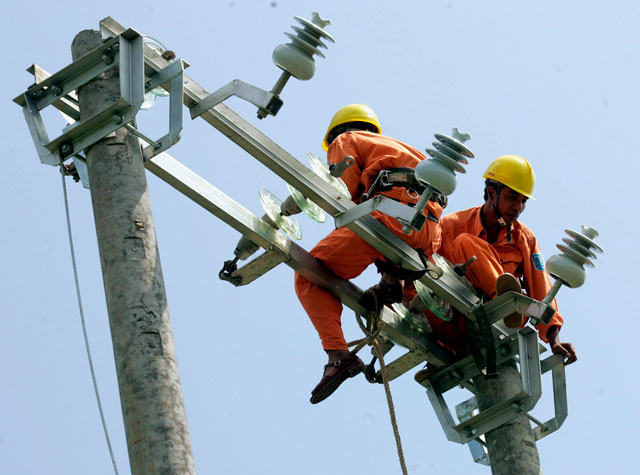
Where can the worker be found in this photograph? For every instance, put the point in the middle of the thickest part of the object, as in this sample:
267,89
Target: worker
355,130
507,252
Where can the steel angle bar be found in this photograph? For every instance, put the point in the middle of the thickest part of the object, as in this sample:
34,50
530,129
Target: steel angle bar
403,364
174,72
465,410
241,219
250,93
66,104
256,267
555,363
304,180
530,373
395,209
79,72
511,302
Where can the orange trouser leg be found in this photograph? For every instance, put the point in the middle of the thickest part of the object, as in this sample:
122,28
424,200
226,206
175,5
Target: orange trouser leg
348,256
485,270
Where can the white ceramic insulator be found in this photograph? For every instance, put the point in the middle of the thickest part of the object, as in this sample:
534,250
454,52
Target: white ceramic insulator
297,57
577,251
448,156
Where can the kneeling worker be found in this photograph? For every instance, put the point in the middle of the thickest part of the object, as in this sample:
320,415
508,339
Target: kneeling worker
506,249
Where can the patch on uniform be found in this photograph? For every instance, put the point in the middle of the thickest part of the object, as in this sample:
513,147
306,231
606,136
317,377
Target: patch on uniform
538,261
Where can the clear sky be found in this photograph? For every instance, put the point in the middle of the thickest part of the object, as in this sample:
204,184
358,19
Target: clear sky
553,81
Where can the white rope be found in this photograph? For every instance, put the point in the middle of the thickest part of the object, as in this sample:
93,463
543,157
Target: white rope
84,326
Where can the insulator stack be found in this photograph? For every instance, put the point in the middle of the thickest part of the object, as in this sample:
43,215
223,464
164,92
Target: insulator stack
448,156
296,57
577,251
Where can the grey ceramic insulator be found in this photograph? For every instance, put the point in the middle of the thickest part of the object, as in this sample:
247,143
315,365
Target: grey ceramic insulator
448,156
576,253
296,57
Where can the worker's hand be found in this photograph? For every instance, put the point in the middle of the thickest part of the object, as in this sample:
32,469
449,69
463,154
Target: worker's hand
566,350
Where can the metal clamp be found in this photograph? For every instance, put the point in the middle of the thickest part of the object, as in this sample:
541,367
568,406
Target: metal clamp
125,50
524,343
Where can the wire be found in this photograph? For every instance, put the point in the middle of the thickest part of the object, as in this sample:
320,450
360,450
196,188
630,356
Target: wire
84,326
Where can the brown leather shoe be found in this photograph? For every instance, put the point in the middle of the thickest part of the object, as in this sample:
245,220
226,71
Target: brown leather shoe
348,367
509,283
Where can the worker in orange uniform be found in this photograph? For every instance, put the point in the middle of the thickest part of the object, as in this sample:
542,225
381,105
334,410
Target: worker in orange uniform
507,251
355,130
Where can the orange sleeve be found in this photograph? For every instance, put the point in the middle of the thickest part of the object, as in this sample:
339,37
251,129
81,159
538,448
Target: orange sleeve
345,145
538,283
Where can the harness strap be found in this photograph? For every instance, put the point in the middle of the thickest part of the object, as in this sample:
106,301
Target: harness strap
403,177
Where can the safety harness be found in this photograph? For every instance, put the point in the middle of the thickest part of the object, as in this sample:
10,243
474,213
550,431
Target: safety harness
403,177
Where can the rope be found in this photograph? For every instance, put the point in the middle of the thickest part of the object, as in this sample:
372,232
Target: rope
372,330
84,326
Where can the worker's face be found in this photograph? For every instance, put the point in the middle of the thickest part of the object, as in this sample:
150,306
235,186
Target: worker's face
511,204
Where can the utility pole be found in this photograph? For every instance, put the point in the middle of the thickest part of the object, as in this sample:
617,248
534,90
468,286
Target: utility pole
512,446
150,392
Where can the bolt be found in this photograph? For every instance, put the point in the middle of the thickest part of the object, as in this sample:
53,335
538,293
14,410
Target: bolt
66,149
117,118
457,375
108,59
504,350
517,407
56,90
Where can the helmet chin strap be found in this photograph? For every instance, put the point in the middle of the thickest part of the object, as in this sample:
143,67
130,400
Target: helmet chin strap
499,217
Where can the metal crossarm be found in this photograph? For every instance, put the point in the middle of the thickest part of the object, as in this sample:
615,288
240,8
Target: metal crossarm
293,172
280,249
241,219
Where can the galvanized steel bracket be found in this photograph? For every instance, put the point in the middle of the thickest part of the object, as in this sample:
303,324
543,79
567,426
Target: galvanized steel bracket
524,344
124,51
264,100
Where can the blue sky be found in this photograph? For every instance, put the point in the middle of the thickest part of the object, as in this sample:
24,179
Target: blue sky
555,82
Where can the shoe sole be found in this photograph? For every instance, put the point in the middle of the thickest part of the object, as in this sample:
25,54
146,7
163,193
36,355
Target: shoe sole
334,384
508,283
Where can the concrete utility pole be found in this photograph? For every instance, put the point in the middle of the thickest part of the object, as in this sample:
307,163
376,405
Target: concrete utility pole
512,446
150,392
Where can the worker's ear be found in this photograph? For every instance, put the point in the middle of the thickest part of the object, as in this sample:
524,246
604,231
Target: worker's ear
491,193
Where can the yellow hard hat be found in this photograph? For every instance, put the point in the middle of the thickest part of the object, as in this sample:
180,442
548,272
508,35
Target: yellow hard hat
352,113
512,171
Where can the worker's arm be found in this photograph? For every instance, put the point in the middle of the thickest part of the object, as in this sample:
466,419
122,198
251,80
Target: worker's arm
538,283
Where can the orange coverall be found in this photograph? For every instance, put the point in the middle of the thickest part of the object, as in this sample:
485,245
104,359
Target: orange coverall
344,252
464,236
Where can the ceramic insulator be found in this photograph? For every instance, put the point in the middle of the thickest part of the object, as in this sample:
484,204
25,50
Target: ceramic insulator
297,57
448,156
577,251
